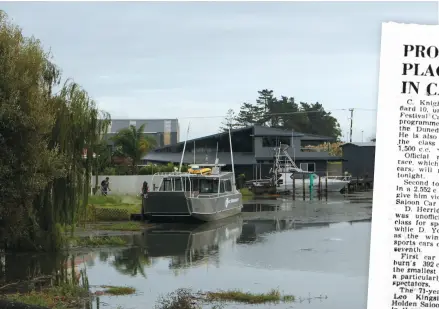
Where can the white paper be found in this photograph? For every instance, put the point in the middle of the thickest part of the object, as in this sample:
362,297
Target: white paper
414,250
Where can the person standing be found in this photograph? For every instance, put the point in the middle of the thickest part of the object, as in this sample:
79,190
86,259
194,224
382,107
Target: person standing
105,186
144,194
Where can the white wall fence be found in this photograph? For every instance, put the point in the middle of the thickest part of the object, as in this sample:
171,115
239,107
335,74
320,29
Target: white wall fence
127,184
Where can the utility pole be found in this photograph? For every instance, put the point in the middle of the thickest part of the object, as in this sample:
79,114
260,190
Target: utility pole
352,120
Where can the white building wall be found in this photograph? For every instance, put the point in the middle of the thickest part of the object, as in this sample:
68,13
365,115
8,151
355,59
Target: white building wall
128,184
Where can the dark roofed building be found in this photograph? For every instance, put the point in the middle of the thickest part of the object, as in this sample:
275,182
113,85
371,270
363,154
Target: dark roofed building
359,159
252,150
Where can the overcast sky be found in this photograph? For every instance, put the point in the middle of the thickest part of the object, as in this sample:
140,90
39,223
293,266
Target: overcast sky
177,60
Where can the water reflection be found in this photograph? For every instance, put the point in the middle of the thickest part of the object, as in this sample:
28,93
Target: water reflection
189,245
319,259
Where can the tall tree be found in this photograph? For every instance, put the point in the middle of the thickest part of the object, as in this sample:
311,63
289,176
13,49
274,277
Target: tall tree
320,122
285,113
292,118
268,109
248,115
229,122
134,144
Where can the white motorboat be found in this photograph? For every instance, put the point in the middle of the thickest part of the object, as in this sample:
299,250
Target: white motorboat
204,192
285,172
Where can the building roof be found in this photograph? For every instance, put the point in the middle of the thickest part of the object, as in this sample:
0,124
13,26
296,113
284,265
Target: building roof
144,119
365,144
240,158
258,131
266,131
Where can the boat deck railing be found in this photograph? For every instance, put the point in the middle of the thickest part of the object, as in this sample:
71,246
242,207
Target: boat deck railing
187,174
342,178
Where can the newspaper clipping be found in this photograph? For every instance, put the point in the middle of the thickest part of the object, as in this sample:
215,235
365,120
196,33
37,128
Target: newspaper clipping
405,229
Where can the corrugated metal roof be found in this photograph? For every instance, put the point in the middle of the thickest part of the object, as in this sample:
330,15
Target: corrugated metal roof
224,158
365,144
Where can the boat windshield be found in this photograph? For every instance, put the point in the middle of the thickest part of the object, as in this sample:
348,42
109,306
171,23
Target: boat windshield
208,186
202,185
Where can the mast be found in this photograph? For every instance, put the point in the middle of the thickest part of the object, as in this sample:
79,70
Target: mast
216,156
194,152
184,147
231,159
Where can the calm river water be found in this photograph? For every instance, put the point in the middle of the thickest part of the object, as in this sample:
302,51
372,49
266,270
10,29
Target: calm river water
329,260
326,260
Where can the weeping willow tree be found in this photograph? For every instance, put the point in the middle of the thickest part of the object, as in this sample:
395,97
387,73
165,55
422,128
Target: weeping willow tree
44,179
78,129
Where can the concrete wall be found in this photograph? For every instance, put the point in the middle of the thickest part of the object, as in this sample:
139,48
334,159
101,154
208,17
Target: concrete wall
128,184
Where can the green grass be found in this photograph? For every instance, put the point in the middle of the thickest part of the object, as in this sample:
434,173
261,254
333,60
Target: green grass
113,207
62,297
123,226
272,296
118,290
104,241
132,209
114,200
246,192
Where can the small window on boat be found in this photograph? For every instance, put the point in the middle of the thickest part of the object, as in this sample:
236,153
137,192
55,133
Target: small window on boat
177,184
187,184
206,186
215,184
228,185
222,187
195,184
166,185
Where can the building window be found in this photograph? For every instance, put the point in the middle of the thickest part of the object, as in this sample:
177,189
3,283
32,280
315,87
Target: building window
269,141
308,167
133,123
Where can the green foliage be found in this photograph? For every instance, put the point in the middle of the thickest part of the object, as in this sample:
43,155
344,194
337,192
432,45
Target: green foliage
151,169
43,136
118,290
133,143
229,122
97,241
246,192
109,171
123,226
273,296
112,207
284,113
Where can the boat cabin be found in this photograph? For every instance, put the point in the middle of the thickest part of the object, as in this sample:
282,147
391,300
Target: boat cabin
200,179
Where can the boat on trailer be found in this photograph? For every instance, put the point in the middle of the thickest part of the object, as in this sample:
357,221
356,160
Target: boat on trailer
205,193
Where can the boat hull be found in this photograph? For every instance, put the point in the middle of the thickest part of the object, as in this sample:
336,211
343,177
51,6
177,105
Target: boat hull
176,205
333,186
206,217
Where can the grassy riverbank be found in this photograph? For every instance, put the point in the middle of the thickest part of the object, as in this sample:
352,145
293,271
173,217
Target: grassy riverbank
186,299
66,296
112,208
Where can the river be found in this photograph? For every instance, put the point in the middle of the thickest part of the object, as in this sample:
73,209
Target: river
324,265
